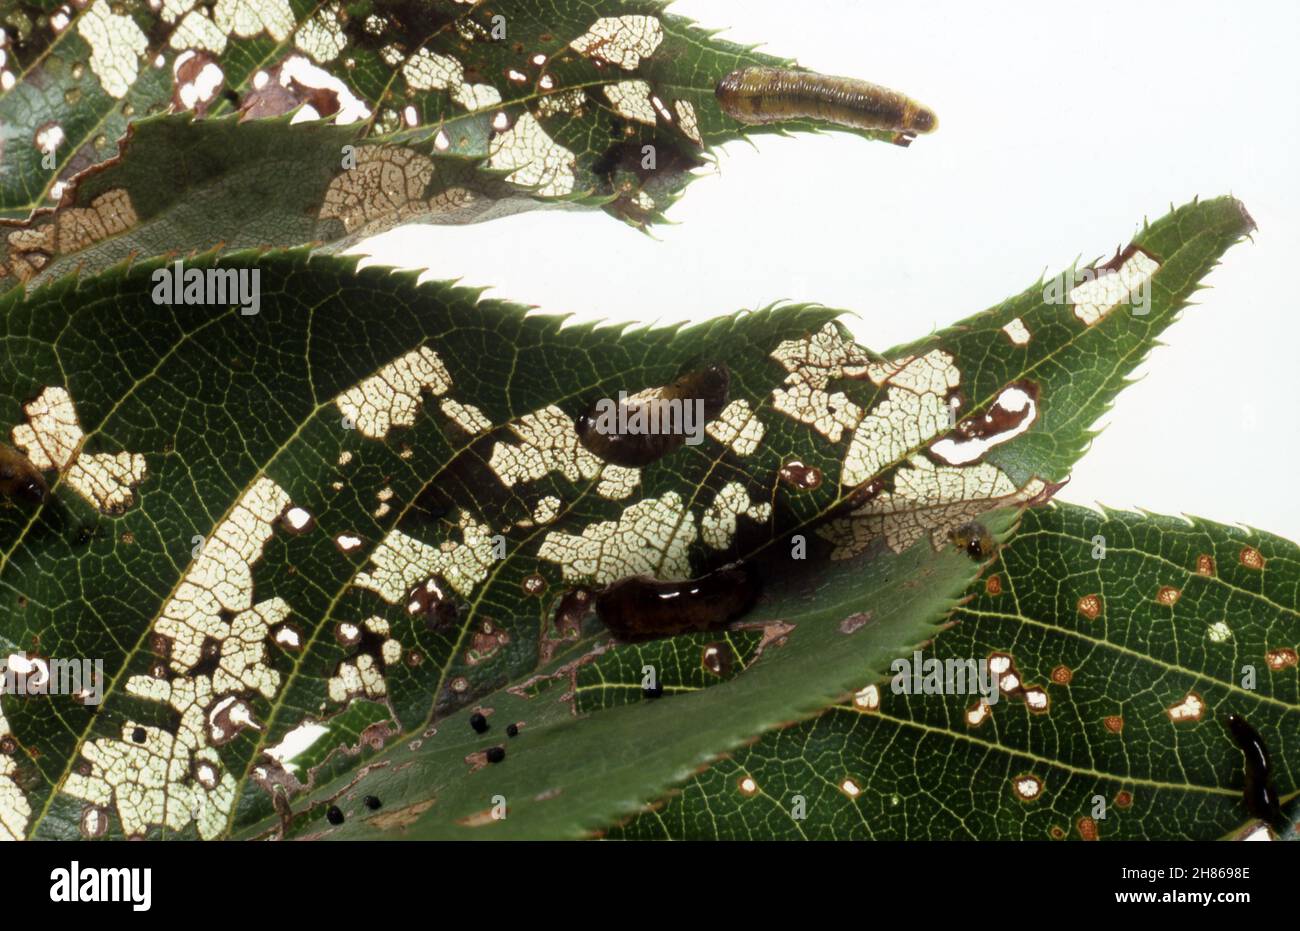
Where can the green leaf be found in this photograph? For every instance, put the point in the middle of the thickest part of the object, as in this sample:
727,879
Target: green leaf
415,423
1142,654
471,113
570,771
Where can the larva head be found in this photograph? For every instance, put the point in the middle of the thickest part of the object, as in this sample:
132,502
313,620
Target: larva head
919,119
771,95
19,479
710,384
974,540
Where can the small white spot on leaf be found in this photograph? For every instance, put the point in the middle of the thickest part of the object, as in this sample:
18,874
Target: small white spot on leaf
1017,332
1189,709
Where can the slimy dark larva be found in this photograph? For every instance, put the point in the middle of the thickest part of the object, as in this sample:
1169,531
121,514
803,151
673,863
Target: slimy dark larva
19,478
598,430
642,608
1260,795
771,95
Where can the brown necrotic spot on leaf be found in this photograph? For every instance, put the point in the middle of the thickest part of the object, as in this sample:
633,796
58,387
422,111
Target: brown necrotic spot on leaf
485,643
1037,699
801,477
993,585
862,494
978,713
1114,723
1027,787
434,601
716,658
1191,708
399,819
1281,659
296,82
1090,606
571,610
1124,799
206,773
477,760
1251,558
1013,412
94,822
1205,564
226,718
375,735
197,81
479,819
1062,675
1168,596
1087,828
160,645
855,622
347,633
867,699
748,787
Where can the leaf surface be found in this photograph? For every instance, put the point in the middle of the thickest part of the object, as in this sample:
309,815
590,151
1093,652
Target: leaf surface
1141,654
443,112
247,505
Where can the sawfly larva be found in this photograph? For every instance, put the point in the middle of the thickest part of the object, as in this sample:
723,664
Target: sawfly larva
19,478
1260,796
642,608
634,433
974,540
772,95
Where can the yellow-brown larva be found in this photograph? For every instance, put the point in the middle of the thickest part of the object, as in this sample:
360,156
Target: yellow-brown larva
771,95
974,540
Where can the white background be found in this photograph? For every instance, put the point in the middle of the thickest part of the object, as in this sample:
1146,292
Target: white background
1061,126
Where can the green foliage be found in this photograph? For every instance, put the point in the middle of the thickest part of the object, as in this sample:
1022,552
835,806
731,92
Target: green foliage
1185,608
446,113
414,427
